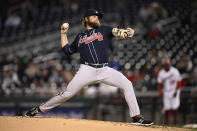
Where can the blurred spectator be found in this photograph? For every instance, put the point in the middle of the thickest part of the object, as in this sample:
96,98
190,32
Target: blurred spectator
13,20
136,78
152,56
45,75
67,76
185,64
31,72
20,69
154,33
191,80
54,78
162,55
10,81
157,11
156,69
145,12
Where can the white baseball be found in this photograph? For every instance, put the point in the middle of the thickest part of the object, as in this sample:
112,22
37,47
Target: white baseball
65,25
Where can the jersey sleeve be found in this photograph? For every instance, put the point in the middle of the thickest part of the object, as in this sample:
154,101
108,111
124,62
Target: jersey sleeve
72,48
179,77
159,78
108,30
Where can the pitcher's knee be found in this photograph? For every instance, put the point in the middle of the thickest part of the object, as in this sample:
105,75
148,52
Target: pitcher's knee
66,94
130,84
127,86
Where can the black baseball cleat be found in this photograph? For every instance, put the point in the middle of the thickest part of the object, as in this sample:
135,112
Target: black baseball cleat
140,121
33,112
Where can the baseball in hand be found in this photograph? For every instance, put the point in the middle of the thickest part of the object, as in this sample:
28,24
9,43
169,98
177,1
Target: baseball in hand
65,25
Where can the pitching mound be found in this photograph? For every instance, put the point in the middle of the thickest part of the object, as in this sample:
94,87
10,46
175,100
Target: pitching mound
64,124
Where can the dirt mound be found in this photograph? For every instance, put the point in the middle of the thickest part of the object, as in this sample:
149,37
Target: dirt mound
64,124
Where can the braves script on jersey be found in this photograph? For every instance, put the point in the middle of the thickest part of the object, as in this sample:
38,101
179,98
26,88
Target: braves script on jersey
93,45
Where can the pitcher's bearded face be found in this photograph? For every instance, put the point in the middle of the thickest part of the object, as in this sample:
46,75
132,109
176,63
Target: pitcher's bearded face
95,24
93,21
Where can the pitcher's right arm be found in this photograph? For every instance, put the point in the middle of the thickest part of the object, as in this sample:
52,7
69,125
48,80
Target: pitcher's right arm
71,48
64,30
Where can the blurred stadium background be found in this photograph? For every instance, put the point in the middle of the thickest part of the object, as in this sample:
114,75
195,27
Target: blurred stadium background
33,67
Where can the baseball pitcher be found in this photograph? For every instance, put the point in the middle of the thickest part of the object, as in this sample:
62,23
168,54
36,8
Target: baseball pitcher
93,46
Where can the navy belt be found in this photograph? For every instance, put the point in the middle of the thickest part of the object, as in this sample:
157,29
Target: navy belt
96,65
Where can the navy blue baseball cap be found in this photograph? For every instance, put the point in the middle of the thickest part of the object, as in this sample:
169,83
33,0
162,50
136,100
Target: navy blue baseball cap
91,12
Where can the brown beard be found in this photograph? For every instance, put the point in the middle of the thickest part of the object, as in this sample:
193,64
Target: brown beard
93,24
